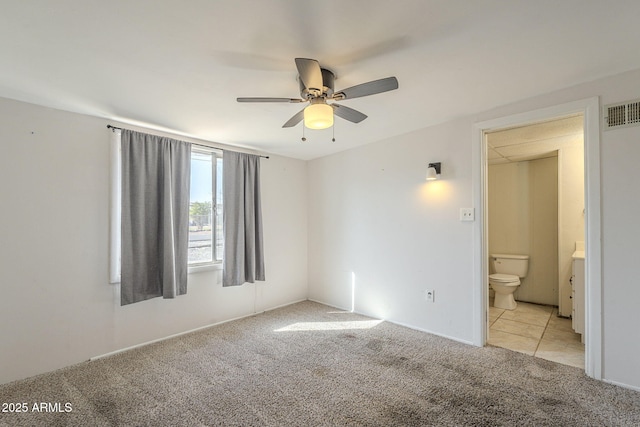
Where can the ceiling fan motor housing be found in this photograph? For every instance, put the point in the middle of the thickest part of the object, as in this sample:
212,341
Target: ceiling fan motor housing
316,87
328,77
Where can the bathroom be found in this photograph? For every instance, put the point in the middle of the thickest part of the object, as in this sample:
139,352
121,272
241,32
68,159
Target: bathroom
535,189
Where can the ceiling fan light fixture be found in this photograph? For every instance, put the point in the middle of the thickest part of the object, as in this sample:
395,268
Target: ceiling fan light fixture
318,116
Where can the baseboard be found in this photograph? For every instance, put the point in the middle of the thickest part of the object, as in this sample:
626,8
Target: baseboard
623,385
273,308
432,333
332,305
397,323
111,353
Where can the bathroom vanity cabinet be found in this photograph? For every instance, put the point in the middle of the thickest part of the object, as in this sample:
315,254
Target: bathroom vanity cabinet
577,293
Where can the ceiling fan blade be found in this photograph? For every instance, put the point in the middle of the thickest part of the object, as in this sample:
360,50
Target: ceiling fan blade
310,74
369,88
293,100
295,119
347,113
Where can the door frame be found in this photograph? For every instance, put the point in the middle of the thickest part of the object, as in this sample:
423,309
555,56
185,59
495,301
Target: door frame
590,109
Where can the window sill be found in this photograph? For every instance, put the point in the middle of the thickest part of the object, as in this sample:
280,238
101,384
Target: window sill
198,268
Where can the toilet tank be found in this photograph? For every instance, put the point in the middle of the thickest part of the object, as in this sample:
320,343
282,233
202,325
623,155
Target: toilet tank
517,265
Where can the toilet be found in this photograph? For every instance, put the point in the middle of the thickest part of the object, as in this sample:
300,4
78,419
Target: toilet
508,270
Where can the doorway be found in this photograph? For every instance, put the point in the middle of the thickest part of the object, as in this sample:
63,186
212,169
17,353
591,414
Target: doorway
589,109
535,195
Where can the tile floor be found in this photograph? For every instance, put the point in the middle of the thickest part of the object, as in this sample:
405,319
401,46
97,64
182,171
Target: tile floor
537,331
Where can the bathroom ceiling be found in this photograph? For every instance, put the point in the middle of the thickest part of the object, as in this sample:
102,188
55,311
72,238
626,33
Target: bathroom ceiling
534,141
178,66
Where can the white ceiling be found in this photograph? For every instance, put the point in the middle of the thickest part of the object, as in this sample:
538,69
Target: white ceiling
535,141
179,65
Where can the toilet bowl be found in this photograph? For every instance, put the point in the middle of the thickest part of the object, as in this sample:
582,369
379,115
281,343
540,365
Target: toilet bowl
508,270
504,285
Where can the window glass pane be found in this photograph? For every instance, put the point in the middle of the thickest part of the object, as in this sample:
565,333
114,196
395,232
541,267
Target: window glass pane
218,214
200,208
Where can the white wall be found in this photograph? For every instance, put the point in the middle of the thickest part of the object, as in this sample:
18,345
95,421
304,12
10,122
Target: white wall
621,248
371,213
57,307
374,218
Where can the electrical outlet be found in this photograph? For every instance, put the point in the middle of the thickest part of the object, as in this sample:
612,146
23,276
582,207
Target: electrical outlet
429,295
467,214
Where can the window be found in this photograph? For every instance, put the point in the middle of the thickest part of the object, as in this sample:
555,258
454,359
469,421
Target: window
206,242
205,208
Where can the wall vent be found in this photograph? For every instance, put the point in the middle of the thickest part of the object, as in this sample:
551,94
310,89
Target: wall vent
620,115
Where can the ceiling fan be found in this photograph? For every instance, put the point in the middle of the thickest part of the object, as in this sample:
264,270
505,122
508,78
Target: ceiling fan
316,88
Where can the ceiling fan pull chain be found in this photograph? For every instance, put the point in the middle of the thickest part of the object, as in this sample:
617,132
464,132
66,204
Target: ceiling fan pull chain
333,130
303,138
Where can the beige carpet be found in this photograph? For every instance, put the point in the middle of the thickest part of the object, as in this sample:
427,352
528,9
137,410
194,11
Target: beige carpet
312,365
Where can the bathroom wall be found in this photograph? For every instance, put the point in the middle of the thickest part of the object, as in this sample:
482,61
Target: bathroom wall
570,215
508,204
523,219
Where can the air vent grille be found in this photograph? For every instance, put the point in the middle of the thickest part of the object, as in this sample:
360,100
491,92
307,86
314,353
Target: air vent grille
633,112
624,114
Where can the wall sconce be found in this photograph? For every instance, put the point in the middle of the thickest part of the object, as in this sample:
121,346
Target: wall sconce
433,171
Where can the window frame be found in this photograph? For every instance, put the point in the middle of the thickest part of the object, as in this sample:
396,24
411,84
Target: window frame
115,208
215,263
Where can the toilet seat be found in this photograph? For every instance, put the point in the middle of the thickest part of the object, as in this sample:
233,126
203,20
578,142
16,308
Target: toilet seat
504,278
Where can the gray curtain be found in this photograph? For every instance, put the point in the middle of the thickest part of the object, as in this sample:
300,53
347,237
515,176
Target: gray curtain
156,174
243,253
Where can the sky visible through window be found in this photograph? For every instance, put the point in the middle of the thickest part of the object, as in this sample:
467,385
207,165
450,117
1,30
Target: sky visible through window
200,177
202,215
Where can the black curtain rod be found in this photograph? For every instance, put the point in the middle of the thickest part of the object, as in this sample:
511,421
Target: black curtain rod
193,143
